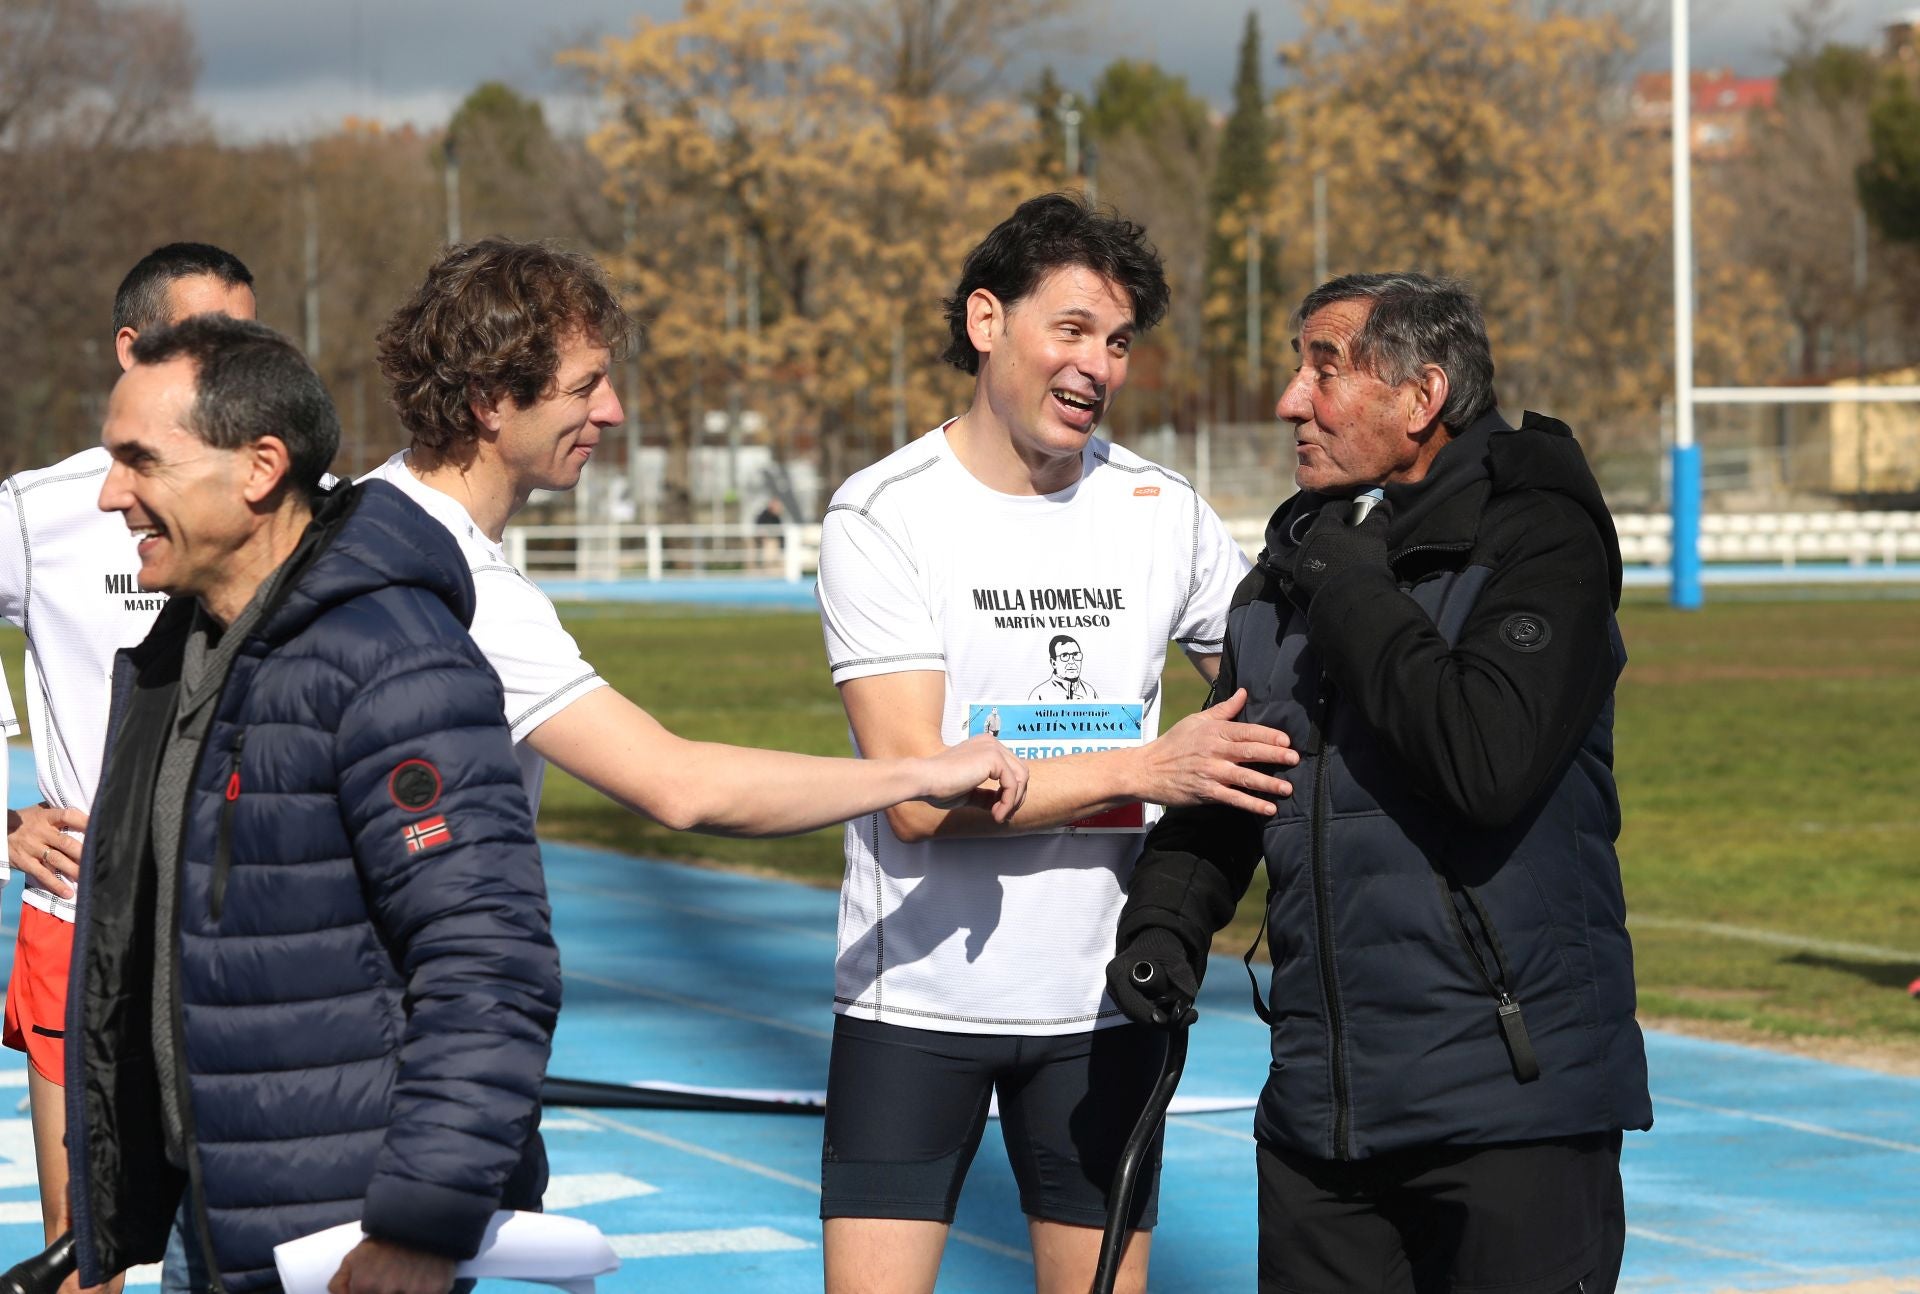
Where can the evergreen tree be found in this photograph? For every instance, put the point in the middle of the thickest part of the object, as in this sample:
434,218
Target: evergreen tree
1889,179
1242,182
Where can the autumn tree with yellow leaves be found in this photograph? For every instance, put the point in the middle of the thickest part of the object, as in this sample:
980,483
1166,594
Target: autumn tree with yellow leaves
1488,139
761,162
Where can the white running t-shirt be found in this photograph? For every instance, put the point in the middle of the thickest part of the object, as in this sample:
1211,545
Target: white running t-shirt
922,567
69,577
9,729
514,625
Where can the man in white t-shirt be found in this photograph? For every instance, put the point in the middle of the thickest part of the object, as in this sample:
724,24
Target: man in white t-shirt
498,366
1007,545
68,578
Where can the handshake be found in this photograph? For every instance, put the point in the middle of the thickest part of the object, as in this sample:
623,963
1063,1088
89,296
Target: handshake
1155,977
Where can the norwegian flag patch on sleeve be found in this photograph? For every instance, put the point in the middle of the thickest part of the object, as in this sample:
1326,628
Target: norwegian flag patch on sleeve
428,833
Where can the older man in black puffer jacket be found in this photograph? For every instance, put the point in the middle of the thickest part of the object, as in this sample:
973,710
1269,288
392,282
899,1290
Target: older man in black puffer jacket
314,979
1454,1048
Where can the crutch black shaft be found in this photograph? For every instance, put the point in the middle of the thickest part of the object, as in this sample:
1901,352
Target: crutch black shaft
42,1273
1113,1244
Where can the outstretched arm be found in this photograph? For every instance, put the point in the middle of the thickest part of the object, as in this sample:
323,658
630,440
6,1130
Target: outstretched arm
1206,758
626,754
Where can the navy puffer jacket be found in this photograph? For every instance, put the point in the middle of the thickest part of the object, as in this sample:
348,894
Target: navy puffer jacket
367,981
1451,963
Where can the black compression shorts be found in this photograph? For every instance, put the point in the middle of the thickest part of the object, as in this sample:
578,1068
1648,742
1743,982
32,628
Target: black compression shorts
906,1109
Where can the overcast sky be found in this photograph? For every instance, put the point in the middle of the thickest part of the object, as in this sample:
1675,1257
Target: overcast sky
284,68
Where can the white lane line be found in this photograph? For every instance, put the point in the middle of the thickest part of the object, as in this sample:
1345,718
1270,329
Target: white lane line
577,1190
144,1274
1814,1129
688,1147
679,1244
15,1212
685,909
15,1175
1713,1251
660,995
565,1125
1194,1125
772,1174
13,1078
1773,938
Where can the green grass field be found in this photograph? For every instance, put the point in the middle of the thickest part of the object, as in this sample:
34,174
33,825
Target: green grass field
1768,753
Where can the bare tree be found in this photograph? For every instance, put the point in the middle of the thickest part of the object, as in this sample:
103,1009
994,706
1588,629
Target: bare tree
960,48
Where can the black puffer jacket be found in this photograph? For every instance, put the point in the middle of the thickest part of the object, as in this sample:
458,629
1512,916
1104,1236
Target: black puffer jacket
1451,961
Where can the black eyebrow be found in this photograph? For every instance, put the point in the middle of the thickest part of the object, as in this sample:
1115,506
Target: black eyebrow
1324,349
1081,312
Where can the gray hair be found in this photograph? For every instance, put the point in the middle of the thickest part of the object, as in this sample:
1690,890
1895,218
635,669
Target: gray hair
1416,320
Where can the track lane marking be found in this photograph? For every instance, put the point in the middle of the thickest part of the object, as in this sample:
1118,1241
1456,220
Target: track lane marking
685,909
1797,1125
677,999
770,1173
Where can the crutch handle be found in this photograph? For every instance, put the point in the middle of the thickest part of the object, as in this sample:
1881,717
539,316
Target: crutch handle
44,1272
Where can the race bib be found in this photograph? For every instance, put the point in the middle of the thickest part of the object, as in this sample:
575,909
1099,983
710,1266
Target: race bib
1035,730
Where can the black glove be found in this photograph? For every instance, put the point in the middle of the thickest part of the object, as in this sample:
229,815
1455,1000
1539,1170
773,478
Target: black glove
1333,546
1172,980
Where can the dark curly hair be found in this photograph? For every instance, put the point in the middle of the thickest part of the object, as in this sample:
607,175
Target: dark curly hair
489,321
1045,234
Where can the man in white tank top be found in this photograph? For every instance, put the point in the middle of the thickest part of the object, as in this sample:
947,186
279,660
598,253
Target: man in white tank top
1011,571
67,578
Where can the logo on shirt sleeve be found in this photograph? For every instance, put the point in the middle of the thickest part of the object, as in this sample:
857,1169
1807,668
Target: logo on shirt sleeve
414,785
428,833
1526,632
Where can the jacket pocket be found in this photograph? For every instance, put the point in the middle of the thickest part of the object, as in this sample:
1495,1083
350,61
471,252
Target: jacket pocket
1474,929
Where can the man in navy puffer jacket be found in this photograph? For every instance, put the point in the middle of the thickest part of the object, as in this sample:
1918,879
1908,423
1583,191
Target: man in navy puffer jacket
314,978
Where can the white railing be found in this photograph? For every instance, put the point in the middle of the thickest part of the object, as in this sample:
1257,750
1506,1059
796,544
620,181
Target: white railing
1859,539
609,552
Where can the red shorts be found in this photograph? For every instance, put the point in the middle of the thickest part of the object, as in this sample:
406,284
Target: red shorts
36,1018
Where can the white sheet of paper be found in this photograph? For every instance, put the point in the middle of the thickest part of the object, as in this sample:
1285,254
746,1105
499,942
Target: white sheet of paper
540,1247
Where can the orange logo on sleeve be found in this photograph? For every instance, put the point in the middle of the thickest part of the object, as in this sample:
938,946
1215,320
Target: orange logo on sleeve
1145,491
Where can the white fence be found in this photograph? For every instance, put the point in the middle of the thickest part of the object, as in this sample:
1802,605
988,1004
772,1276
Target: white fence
1860,539
613,552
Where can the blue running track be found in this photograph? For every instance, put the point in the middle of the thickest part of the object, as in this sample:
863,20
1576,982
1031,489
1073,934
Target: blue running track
1765,1172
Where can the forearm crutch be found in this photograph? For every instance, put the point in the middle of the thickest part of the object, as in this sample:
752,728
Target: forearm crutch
1113,1244
44,1272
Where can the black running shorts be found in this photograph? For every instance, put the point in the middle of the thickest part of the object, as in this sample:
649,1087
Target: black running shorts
906,1109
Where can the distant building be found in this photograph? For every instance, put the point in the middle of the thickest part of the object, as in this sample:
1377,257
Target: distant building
1874,448
1900,38
1722,109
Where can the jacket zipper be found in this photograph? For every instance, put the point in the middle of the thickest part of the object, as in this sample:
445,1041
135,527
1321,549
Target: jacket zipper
223,844
1323,922
1513,1025
196,1189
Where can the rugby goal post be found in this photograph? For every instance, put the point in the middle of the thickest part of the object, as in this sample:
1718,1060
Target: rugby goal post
1687,496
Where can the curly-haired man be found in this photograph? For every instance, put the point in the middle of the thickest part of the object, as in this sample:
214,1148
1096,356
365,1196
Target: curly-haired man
498,367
